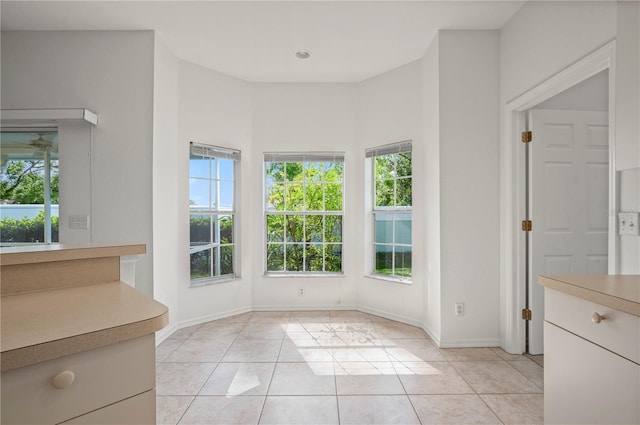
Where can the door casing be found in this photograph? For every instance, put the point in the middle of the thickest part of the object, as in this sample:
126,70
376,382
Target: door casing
513,188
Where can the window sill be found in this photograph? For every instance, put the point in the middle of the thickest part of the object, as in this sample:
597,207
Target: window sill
394,279
211,281
302,274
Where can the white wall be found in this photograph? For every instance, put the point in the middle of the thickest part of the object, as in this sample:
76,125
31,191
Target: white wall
591,94
168,242
110,73
543,38
628,86
215,109
469,186
629,181
390,110
299,118
74,166
431,157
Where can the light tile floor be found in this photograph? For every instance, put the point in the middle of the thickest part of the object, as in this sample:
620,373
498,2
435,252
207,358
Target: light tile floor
337,367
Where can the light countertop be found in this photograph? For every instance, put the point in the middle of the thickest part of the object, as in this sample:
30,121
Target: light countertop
54,318
28,254
621,292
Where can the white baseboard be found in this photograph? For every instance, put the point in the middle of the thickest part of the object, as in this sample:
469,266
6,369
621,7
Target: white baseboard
390,316
166,332
314,307
469,343
435,337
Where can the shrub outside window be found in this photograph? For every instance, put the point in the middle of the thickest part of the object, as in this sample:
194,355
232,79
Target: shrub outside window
303,213
212,212
392,210
29,187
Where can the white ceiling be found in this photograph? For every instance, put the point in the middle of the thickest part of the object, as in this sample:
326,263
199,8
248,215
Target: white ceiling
257,41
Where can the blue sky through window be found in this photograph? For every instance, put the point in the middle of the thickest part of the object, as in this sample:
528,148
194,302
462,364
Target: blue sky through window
203,192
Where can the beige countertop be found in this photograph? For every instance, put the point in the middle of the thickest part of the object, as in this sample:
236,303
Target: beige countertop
621,292
44,325
74,302
28,254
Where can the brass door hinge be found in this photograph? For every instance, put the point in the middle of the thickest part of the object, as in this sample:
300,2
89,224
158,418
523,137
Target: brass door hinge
526,314
527,136
527,225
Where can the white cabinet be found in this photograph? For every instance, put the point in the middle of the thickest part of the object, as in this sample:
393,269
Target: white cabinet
58,390
591,369
78,344
137,410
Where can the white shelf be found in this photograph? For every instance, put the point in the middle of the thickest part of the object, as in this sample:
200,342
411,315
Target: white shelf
11,116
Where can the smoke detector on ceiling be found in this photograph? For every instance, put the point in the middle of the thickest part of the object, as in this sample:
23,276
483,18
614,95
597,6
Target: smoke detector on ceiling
303,54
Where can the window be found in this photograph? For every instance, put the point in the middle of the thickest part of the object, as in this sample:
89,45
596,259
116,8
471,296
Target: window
212,213
303,213
391,210
29,186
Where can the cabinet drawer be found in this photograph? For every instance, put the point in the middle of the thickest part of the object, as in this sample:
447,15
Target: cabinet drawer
586,384
618,332
102,376
138,410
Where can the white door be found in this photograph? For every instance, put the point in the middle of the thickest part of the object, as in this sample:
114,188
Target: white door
568,201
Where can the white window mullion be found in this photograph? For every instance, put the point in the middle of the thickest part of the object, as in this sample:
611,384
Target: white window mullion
394,211
214,156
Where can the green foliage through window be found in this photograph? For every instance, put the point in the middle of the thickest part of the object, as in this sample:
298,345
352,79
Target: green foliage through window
304,202
23,182
392,213
212,214
27,230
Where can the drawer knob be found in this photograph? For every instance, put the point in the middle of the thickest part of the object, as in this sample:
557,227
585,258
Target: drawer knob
597,318
63,379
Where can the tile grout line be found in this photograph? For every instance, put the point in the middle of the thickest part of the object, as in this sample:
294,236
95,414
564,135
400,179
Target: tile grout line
209,376
275,367
490,409
335,363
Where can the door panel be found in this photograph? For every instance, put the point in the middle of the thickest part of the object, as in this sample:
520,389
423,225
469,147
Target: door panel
568,189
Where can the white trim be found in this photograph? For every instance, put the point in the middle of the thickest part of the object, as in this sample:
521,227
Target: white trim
166,332
52,115
473,343
512,294
304,307
586,67
395,317
389,278
435,337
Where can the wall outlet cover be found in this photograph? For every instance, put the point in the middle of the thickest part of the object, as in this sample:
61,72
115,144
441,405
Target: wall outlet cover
628,223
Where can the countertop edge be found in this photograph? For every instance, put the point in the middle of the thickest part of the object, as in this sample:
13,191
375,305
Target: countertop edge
61,252
617,303
33,354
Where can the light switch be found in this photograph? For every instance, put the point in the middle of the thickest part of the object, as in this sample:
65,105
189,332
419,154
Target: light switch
628,223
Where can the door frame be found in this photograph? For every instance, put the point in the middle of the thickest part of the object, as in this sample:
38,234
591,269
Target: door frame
512,187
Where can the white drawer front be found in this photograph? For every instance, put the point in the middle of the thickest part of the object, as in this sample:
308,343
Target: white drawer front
618,332
138,410
586,384
100,377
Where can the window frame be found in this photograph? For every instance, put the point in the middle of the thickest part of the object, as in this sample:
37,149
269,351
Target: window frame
49,157
394,211
216,152
304,158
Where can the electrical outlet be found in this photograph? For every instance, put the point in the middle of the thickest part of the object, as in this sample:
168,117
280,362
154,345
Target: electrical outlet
628,223
78,221
301,292
459,309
